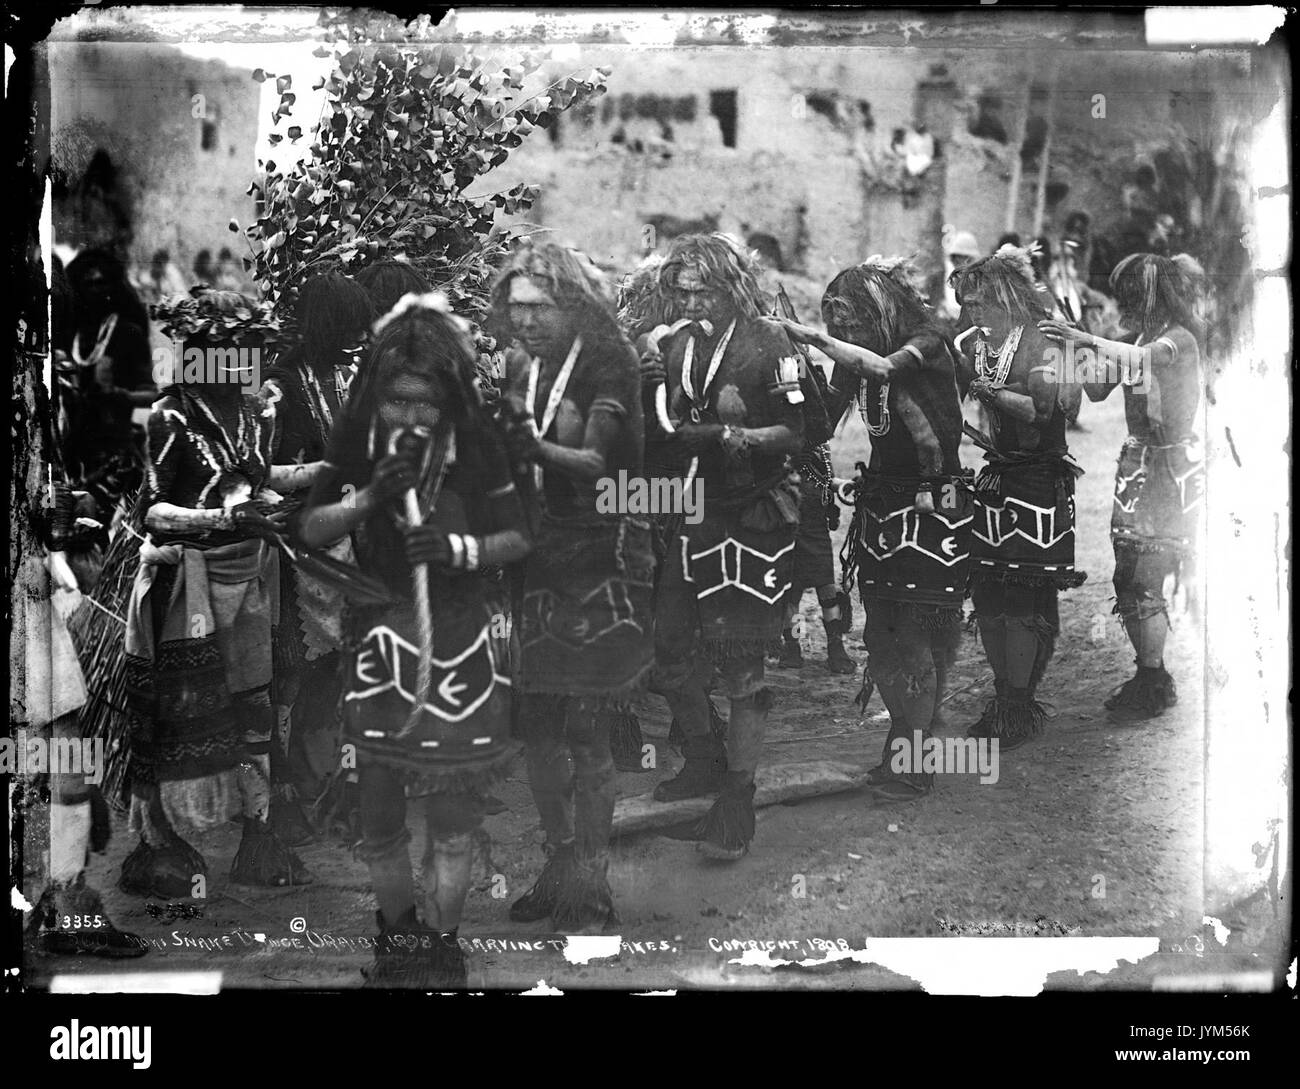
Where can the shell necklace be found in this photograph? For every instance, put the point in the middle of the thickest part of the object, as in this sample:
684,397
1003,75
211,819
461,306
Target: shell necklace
688,368
882,428
998,372
556,395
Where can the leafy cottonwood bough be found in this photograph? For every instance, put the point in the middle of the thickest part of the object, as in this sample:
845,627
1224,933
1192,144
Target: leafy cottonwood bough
409,123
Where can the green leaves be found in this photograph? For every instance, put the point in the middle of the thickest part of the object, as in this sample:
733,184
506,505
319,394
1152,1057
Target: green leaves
405,129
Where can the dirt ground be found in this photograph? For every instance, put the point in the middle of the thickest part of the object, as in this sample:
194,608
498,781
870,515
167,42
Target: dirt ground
1093,829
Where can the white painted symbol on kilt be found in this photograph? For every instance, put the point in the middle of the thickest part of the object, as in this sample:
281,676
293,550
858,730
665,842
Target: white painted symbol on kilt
1017,518
927,533
546,615
1191,487
1129,488
732,564
459,686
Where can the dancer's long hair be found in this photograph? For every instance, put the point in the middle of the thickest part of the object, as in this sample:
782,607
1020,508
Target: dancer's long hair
419,336
388,281
1007,280
332,311
641,302
875,305
569,277
1154,291
721,262
123,299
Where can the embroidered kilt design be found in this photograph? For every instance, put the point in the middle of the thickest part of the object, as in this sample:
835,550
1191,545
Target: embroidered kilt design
913,556
738,576
1023,528
463,730
585,625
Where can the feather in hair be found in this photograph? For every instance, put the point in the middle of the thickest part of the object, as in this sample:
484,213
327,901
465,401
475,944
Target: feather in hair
1018,257
430,300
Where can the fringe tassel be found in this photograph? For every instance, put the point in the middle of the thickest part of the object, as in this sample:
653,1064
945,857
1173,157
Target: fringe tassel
264,860
863,698
609,699
1018,720
558,877
625,739
166,871
1063,580
467,779
721,651
585,898
1148,546
936,621
730,822
849,551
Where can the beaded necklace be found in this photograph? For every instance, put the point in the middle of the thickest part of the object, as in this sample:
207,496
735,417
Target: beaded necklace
882,428
997,373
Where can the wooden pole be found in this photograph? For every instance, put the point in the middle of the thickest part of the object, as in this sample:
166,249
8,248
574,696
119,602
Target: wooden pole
1044,160
1017,142
775,783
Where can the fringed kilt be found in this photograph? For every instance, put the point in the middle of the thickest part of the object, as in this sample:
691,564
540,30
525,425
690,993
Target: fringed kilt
1158,494
901,555
1023,531
461,739
585,627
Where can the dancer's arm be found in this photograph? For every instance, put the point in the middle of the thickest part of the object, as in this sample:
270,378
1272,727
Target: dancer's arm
324,521
861,361
294,477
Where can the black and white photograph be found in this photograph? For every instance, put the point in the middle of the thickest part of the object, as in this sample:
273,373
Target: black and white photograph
660,501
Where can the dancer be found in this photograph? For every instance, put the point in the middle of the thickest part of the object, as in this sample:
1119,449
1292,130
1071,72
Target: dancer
909,544
105,372
814,564
1159,483
63,823
308,386
734,387
418,472
643,316
203,609
1023,548
574,400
